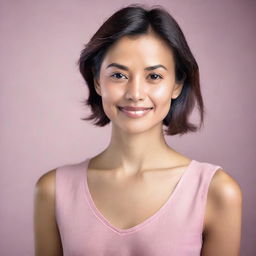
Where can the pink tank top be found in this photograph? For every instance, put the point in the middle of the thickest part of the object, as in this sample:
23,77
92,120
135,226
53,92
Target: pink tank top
175,229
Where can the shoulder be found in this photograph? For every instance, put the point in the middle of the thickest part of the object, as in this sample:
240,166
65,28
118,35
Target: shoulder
224,199
45,185
224,189
47,239
222,233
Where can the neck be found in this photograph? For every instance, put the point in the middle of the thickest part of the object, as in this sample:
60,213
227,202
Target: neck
134,152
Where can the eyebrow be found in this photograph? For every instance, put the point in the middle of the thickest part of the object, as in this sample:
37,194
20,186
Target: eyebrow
126,68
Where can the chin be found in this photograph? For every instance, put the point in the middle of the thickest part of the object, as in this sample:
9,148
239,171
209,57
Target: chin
136,128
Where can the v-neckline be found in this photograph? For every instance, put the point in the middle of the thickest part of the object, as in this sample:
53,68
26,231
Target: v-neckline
120,231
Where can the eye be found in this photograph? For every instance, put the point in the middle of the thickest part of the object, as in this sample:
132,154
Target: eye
117,75
154,76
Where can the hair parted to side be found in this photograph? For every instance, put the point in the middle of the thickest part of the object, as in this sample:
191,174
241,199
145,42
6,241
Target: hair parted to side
135,19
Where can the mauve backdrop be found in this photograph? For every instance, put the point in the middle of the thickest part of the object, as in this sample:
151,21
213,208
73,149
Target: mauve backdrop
42,90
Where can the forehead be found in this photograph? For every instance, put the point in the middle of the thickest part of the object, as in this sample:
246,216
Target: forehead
141,49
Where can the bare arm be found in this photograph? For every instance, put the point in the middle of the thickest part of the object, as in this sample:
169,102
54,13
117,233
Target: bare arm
46,234
223,231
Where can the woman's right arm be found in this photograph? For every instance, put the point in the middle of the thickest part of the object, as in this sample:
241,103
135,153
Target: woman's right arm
46,233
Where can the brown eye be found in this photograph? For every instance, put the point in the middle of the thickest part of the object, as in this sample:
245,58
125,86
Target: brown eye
155,76
117,75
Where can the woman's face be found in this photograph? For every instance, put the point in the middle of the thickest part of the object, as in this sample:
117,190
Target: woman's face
138,72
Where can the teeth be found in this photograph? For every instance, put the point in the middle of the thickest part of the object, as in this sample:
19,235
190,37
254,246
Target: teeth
137,112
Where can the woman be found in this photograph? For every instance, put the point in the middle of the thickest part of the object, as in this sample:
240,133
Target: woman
139,196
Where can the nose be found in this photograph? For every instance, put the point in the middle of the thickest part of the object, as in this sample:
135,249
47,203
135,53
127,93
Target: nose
135,89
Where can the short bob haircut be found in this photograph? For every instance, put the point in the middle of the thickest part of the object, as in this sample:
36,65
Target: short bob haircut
135,19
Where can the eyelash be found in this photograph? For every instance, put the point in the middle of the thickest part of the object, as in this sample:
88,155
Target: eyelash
160,77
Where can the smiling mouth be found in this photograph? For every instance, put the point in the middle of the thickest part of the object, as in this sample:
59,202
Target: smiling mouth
134,108
134,113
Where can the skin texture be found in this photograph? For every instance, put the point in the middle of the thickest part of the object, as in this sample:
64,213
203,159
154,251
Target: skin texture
46,234
224,217
132,161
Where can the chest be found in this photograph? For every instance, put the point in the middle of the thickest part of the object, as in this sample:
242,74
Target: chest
127,203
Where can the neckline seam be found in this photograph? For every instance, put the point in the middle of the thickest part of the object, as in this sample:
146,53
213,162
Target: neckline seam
139,226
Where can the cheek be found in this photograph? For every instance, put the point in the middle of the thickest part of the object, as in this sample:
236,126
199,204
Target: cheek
111,96
162,94
110,93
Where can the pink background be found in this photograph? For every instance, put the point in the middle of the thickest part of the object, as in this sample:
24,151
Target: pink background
41,93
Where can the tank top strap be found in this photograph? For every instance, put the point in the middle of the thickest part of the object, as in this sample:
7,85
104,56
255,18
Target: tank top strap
190,202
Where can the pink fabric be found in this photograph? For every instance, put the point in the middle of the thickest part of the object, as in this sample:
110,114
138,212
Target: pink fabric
176,229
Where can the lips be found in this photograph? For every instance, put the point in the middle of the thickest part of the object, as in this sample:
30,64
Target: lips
130,108
135,112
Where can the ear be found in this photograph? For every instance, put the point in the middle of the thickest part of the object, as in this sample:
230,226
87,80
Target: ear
177,89
97,86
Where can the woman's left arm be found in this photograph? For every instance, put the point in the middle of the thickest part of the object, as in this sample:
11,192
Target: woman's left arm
223,230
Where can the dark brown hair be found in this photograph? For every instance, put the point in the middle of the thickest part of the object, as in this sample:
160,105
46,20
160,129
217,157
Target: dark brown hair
135,19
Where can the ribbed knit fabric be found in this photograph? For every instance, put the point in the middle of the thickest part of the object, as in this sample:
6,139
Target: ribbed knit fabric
174,230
